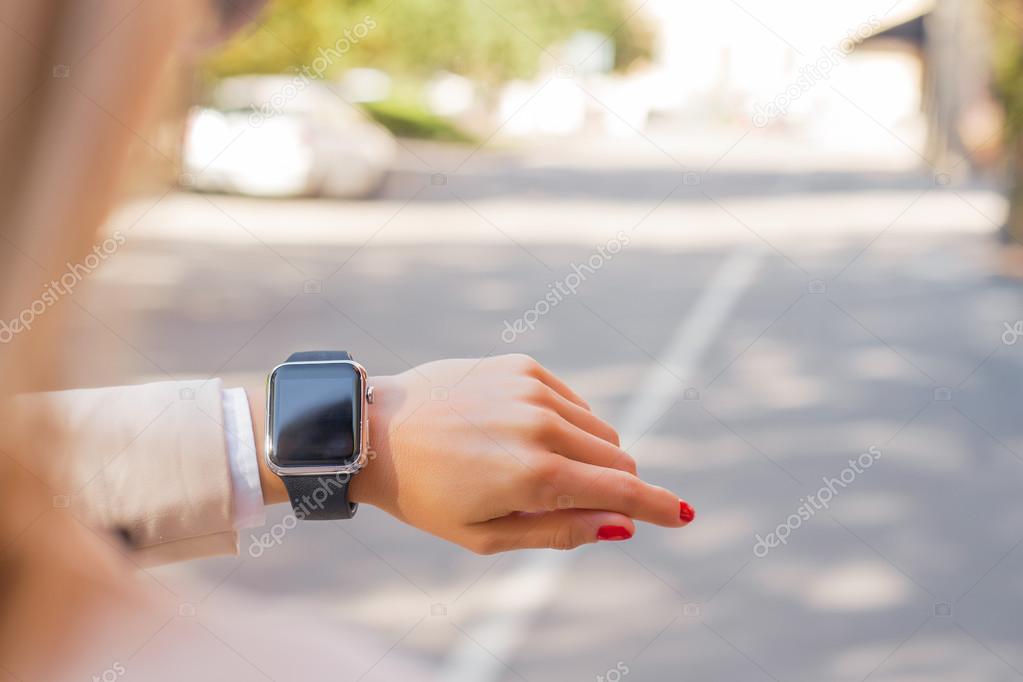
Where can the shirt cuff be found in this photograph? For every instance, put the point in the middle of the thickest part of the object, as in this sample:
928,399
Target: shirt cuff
247,509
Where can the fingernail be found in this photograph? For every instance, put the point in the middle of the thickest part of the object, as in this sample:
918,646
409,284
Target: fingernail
613,533
685,513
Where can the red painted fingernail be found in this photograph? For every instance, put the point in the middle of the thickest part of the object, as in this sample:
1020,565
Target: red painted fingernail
613,533
685,513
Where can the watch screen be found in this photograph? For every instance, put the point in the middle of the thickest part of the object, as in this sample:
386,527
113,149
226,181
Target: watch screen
316,414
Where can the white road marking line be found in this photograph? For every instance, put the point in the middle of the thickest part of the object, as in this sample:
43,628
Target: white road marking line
517,597
660,387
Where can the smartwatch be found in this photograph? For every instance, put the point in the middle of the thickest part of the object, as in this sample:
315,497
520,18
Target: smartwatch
317,430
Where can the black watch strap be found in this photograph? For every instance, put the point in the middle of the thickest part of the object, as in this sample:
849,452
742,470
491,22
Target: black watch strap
320,498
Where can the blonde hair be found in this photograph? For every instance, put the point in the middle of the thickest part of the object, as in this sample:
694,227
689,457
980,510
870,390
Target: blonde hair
84,80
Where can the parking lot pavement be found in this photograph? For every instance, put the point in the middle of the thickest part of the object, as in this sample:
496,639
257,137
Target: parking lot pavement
745,363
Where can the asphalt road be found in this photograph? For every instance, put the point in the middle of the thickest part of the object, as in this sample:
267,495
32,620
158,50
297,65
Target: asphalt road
770,318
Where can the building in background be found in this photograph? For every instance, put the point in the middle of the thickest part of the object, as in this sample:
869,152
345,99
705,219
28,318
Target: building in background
918,69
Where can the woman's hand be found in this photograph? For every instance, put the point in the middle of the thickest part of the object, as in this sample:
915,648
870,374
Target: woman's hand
499,454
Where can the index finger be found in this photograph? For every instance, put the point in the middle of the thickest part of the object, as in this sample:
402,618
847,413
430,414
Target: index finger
595,487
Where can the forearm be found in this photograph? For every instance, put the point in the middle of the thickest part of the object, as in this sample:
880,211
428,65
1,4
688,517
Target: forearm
150,462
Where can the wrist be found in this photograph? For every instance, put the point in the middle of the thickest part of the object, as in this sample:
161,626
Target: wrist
373,483
273,488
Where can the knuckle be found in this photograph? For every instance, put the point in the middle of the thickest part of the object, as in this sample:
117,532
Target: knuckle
542,471
631,493
525,364
540,493
541,424
626,462
535,392
567,536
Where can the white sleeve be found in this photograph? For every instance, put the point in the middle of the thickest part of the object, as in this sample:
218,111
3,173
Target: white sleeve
246,493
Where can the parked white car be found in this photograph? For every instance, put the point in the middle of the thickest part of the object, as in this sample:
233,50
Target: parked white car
283,136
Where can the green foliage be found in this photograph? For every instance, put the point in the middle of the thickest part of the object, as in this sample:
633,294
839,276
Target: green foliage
488,40
410,120
1008,53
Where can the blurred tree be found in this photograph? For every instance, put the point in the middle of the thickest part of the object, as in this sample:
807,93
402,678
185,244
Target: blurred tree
1008,52
488,40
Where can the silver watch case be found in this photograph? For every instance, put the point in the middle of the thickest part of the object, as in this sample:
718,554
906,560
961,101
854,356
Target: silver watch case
361,457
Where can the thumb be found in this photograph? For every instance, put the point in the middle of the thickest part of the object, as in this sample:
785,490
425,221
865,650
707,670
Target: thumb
561,529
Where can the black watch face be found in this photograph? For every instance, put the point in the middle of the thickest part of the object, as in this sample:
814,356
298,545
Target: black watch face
315,414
